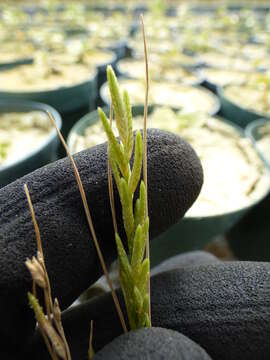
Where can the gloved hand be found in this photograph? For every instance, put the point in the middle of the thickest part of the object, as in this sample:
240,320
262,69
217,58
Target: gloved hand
174,182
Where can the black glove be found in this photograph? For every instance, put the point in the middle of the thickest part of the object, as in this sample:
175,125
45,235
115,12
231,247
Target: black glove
174,182
222,306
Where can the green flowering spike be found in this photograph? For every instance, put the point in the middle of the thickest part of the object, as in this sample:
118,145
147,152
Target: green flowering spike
123,258
118,106
146,227
127,210
145,310
129,145
114,145
147,322
139,299
137,164
138,248
47,327
143,275
115,170
145,303
137,212
134,268
34,304
142,321
140,208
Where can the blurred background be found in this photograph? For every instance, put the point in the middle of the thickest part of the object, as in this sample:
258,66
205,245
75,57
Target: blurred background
209,66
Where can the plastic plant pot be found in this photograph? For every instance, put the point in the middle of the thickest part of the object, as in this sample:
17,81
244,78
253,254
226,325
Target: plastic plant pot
235,113
210,82
69,101
194,232
249,239
19,61
204,9
213,110
121,49
42,155
101,68
254,132
195,80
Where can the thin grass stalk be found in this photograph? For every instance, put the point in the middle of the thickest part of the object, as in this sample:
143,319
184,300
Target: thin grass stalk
40,250
34,288
147,250
38,239
91,352
90,224
58,323
48,345
46,296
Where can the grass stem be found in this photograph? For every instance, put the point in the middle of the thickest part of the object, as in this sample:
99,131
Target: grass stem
145,151
90,224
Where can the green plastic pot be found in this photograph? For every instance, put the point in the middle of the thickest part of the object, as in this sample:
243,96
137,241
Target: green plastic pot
249,239
235,113
102,68
42,155
206,82
19,61
191,232
198,81
69,101
215,109
120,48
253,132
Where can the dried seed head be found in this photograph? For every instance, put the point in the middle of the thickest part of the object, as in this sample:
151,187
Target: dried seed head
57,343
56,340
37,271
57,311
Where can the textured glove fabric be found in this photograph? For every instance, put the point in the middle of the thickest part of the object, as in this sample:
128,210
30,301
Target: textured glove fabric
174,180
154,344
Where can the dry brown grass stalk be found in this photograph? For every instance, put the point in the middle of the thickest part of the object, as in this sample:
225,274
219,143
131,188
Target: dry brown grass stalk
91,352
145,150
90,224
57,346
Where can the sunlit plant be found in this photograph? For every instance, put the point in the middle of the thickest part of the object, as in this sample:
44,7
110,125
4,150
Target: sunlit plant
133,266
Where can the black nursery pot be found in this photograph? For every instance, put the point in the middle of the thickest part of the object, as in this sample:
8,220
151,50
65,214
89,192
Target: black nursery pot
253,131
19,61
42,155
235,113
121,49
102,76
249,239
